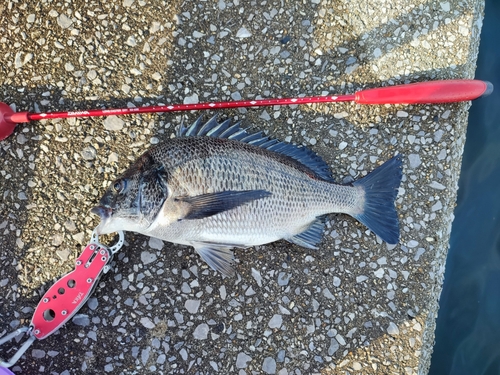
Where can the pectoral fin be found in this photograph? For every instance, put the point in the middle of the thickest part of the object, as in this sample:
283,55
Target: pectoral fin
207,205
219,258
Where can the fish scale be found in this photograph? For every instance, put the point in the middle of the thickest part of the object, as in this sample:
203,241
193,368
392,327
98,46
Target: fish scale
292,192
218,186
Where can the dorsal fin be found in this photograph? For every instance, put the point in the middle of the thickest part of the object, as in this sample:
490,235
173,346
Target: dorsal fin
225,129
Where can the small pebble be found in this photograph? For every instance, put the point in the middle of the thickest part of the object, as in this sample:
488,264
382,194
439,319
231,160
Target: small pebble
360,279
334,346
242,359
147,323
356,366
336,281
131,41
243,33
147,257
92,303
328,294
64,21
222,291
112,158
113,123
70,225
275,321
265,116
38,353
414,160
269,365
21,139
340,115
340,339
145,355
284,278
236,95
256,275
201,332
63,254
192,305
184,354
445,6
155,243
89,153
81,320
437,206
193,99
79,237
436,185
393,329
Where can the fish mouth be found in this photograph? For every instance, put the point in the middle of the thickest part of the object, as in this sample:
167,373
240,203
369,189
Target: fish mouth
102,211
105,214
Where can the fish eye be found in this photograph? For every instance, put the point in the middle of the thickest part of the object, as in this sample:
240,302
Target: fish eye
119,185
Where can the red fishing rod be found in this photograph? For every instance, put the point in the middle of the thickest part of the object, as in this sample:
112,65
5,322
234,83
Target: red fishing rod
444,91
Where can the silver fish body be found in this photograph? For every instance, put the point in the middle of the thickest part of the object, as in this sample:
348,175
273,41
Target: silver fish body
217,187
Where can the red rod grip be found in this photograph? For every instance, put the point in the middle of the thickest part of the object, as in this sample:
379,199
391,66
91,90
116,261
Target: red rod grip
446,91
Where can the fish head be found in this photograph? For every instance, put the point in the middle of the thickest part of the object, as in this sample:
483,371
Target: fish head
133,200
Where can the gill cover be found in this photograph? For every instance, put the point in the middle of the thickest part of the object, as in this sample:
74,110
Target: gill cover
153,191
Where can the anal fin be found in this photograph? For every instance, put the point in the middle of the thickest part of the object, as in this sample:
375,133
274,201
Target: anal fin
311,236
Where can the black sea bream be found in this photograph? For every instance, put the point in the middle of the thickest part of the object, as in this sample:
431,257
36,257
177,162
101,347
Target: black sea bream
216,187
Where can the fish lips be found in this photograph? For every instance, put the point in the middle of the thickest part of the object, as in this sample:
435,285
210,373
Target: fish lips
104,213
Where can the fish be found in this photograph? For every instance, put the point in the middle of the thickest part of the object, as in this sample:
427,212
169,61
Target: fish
218,186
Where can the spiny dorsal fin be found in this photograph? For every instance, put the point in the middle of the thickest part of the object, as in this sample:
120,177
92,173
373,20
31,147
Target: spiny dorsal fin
224,129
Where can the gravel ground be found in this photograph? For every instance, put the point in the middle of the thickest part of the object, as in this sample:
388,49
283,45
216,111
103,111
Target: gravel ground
354,306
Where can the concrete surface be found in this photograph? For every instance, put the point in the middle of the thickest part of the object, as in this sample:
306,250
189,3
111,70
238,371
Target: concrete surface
356,306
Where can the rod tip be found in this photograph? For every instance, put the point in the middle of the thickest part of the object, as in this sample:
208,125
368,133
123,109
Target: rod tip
489,89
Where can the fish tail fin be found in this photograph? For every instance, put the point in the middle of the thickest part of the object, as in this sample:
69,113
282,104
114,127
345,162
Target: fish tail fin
381,188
